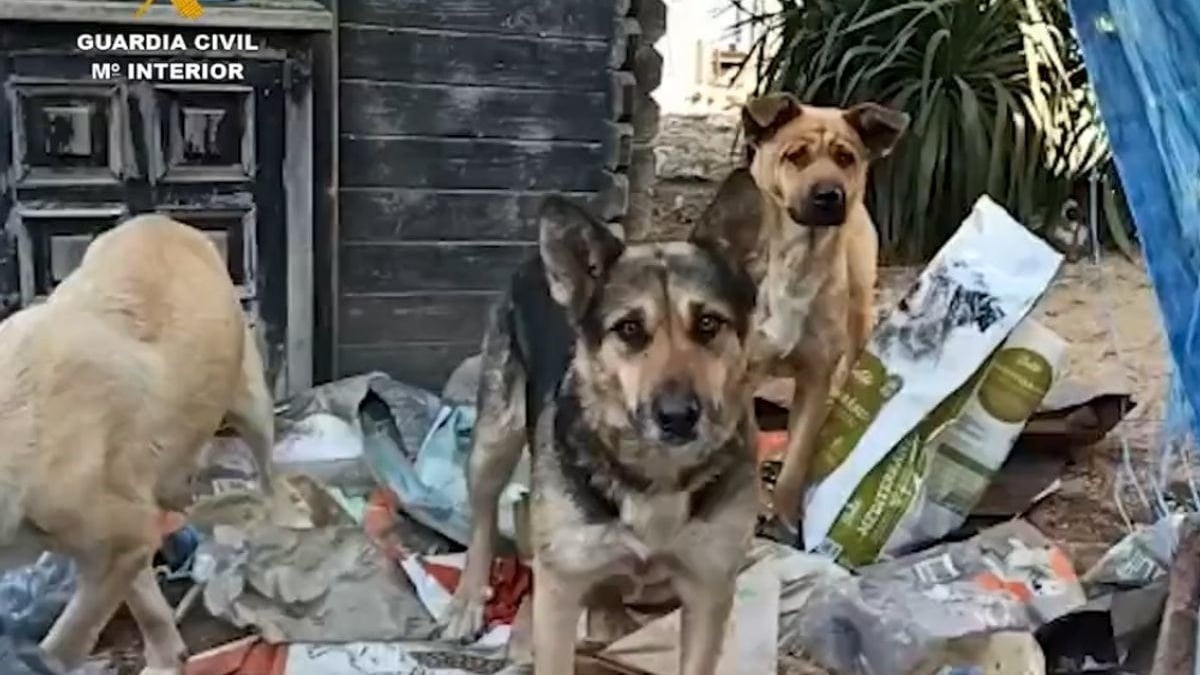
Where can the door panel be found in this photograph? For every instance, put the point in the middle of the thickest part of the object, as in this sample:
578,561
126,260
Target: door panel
51,242
203,133
67,133
87,154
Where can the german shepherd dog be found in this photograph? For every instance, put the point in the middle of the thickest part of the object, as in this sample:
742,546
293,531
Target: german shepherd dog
625,368
816,255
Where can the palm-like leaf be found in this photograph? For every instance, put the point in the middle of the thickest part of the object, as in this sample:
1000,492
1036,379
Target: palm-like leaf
996,90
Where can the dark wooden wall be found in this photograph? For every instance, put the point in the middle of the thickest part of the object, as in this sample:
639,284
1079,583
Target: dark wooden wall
456,118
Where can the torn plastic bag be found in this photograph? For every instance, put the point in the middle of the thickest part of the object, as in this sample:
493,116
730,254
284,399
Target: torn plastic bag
21,657
32,597
411,408
898,614
24,658
885,627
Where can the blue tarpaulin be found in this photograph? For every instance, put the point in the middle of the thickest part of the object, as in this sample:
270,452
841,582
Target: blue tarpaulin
1143,58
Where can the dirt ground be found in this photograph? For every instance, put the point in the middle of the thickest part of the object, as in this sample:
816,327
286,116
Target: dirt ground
1108,314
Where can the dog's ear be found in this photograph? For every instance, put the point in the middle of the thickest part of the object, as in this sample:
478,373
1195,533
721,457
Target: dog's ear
763,115
732,222
879,127
576,250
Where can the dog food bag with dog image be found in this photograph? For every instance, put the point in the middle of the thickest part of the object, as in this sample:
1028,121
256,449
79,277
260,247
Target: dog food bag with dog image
932,479
966,302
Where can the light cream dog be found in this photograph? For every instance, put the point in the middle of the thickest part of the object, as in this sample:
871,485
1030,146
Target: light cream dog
108,392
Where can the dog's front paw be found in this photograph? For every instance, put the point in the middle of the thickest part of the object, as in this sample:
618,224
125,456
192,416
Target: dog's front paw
463,621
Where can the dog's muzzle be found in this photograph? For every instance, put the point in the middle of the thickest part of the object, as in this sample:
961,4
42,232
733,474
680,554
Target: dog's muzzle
676,413
825,206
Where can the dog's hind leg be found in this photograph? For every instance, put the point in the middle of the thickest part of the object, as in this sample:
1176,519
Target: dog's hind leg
165,649
495,450
252,414
103,582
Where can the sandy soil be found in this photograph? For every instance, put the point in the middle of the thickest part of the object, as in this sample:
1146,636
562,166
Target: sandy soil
1107,313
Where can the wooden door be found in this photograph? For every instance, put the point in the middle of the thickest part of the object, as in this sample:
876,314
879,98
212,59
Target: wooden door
86,154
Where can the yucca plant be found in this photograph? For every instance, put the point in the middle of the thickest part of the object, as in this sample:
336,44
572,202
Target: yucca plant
996,90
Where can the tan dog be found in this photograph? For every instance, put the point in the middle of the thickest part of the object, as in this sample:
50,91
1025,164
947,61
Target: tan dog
817,255
108,392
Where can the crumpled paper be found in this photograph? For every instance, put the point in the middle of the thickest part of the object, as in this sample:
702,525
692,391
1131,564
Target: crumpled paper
328,583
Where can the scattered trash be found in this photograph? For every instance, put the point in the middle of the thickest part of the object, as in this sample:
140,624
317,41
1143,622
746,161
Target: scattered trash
366,658
897,615
1075,415
247,656
252,656
1104,632
436,577
32,597
328,583
357,584
1176,650
371,430
1003,653
432,487
320,437
409,411
1139,559
24,657
962,307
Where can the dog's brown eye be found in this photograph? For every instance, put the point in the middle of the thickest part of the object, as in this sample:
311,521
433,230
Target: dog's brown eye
797,156
630,330
707,326
843,158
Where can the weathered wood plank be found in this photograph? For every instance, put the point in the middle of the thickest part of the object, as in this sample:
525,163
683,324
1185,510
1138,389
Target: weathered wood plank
647,68
556,18
623,94
424,215
466,163
618,146
415,55
415,318
376,108
399,268
471,163
627,37
424,365
646,118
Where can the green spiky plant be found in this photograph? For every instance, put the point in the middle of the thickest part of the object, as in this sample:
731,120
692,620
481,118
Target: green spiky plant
996,90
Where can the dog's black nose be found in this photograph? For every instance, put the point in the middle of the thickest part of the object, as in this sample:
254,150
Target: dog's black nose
826,205
676,413
829,196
